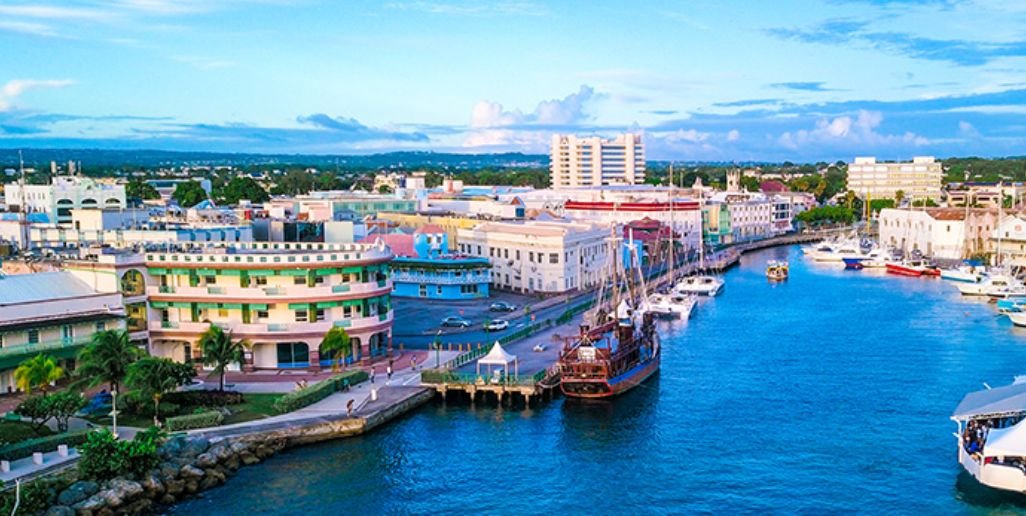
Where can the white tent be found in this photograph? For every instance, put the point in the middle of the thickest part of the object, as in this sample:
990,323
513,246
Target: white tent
1006,442
499,357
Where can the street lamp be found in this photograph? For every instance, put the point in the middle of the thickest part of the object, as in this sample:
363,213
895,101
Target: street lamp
438,349
114,411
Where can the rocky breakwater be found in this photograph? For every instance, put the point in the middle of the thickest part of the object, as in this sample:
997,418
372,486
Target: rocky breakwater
189,464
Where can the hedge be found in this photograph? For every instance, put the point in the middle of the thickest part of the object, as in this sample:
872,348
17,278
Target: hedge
310,395
203,398
42,444
201,420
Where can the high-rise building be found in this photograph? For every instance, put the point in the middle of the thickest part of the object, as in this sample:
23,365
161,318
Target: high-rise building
595,161
916,180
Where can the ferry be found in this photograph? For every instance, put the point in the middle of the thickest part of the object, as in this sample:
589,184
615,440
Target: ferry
776,270
991,436
618,347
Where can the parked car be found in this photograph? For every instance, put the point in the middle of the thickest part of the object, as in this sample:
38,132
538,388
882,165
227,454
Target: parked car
496,325
502,306
455,322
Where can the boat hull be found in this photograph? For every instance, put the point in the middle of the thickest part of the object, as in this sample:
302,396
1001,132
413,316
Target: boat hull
902,270
601,388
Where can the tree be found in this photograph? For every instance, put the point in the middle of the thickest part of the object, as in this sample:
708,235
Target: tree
295,182
336,342
849,199
107,358
156,376
329,181
220,351
898,197
38,371
384,189
189,194
244,188
139,189
62,405
34,408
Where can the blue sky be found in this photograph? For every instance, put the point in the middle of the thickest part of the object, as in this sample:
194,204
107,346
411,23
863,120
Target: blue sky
705,80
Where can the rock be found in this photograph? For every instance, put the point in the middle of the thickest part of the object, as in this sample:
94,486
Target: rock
191,471
125,489
221,452
105,511
168,499
169,471
191,486
152,484
110,498
239,447
232,463
173,447
263,451
206,460
213,478
174,487
249,459
139,506
195,446
60,510
91,504
77,492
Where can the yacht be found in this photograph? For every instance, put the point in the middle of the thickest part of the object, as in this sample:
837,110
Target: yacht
670,306
876,258
912,268
991,436
997,285
964,273
702,285
835,251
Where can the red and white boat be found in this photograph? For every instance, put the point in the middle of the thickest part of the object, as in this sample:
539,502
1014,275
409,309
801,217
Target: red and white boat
914,268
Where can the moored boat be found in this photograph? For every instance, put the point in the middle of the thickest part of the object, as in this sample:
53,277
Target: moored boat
914,268
963,273
992,436
702,285
1017,318
670,306
777,270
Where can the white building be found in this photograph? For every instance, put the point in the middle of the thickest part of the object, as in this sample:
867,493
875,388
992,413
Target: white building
916,180
64,194
595,161
946,233
544,257
754,216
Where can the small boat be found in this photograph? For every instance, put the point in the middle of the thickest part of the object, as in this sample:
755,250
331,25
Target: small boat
776,270
963,273
996,286
701,285
671,306
836,252
1017,318
914,268
1011,304
991,436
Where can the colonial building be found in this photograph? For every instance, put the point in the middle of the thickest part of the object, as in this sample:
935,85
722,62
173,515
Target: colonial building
947,233
63,194
53,313
281,297
542,257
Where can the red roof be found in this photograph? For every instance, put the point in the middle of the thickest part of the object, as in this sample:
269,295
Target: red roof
772,186
429,228
400,243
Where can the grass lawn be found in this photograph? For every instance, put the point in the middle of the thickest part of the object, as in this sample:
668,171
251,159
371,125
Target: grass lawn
16,431
256,406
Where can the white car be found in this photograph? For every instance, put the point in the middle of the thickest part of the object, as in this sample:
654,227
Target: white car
497,325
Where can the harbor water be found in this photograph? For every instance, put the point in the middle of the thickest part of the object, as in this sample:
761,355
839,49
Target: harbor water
828,392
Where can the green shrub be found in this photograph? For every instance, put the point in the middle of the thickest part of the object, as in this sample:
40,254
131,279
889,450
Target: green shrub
104,457
42,444
310,395
36,496
36,409
17,431
62,405
202,398
201,420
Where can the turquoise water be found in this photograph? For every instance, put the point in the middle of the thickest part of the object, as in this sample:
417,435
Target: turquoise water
830,392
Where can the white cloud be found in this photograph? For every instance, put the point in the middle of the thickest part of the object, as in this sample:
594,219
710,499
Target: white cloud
858,131
32,28
492,125
689,136
50,12
733,135
967,130
14,88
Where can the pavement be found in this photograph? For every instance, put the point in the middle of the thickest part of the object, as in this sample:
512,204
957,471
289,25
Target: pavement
530,361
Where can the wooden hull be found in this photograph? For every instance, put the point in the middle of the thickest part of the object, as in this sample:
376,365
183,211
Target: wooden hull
599,388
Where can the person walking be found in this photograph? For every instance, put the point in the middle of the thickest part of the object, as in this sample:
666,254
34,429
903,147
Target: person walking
374,371
413,363
389,372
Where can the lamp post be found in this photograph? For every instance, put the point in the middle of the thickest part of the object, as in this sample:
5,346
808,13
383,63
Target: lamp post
114,411
438,349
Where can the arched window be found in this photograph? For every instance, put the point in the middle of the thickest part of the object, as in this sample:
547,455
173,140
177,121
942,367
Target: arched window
132,283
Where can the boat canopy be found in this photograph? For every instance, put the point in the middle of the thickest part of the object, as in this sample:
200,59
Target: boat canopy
1010,399
1006,442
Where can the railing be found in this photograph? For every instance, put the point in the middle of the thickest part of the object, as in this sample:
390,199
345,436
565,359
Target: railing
20,349
166,289
215,290
374,287
440,280
275,291
439,376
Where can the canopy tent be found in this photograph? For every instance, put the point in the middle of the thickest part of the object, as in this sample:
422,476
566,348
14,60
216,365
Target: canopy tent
1006,442
499,357
1010,399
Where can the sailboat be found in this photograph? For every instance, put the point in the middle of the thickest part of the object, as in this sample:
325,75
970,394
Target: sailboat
700,284
672,305
617,348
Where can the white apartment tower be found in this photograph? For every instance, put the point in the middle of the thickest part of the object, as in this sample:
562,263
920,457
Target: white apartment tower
916,180
596,161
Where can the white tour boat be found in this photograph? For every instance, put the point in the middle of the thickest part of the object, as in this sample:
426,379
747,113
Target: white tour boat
702,285
672,306
996,285
992,436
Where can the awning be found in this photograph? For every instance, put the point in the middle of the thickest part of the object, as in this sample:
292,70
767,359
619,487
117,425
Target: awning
348,270
299,306
327,304
206,305
497,356
157,271
1006,442
231,272
257,306
326,272
159,304
206,272
180,271
261,272
1010,399
293,272
232,306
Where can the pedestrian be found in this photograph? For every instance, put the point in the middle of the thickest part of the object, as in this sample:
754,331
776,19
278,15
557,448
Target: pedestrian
374,371
349,409
413,363
389,371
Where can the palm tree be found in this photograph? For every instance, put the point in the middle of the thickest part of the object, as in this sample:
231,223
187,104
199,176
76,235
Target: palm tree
106,359
38,371
336,343
220,351
155,376
898,197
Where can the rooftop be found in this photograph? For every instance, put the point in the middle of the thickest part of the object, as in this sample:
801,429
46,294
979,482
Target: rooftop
44,286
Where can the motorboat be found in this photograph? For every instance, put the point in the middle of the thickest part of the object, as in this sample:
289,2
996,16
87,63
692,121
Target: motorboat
875,258
776,270
671,306
1017,318
995,285
964,273
836,251
991,436
702,285
914,267
1011,304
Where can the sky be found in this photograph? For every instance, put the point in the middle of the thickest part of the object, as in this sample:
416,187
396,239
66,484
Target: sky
716,80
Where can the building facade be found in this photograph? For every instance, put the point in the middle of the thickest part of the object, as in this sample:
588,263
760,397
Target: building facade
53,313
539,257
425,267
281,297
595,161
63,194
946,233
919,179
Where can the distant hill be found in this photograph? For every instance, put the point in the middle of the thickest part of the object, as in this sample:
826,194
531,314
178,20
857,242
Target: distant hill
155,158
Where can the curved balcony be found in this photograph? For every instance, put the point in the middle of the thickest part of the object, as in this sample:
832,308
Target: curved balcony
274,331
264,294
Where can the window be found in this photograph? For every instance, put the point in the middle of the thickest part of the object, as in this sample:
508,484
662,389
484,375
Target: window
491,252
438,289
518,254
261,280
318,280
505,253
479,250
33,336
222,313
261,314
209,280
299,280
101,326
319,314
553,257
301,315
67,334
422,291
187,353
530,256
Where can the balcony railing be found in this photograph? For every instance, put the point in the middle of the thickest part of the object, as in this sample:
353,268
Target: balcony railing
258,293
441,280
242,329
30,349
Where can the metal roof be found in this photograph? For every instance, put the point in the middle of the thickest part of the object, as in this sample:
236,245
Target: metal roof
1009,399
43,286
